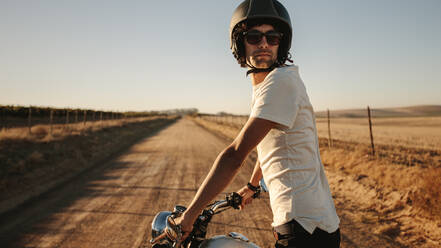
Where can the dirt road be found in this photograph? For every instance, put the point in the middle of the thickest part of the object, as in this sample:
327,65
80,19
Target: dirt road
113,205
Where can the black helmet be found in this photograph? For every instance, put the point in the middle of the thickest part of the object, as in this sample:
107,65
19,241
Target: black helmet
260,12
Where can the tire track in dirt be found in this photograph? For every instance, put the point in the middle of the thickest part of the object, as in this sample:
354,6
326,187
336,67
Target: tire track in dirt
103,206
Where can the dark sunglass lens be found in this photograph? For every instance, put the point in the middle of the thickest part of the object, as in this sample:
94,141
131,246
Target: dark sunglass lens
254,38
273,38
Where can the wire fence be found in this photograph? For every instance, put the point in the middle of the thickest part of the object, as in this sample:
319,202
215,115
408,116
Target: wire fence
35,119
369,126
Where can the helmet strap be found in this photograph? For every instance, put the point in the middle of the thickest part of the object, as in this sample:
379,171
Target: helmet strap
257,70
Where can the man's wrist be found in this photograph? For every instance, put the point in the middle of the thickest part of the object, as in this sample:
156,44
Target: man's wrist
189,216
252,187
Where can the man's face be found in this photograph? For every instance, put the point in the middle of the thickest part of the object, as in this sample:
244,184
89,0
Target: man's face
261,55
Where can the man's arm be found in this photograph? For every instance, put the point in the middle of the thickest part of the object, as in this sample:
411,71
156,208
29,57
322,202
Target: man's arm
257,174
225,168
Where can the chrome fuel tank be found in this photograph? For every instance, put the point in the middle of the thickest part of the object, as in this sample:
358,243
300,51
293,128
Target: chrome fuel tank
232,240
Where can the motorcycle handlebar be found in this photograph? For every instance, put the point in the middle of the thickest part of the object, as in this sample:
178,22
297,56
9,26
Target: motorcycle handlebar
174,233
219,204
231,200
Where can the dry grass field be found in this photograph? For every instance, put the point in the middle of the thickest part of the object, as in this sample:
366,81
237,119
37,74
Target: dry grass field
411,111
416,132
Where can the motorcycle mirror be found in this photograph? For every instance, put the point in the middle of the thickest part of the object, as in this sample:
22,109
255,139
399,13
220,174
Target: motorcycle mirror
263,185
179,209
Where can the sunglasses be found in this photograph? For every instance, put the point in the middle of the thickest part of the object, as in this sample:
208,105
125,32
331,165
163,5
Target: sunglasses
254,37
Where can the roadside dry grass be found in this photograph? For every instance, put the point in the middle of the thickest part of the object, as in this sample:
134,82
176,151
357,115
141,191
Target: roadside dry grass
431,193
46,133
418,186
32,164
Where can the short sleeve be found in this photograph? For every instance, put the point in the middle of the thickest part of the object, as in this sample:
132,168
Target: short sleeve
277,100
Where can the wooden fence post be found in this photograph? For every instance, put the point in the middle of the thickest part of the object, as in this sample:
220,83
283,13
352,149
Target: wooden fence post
101,119
30,119
4,125
85,118
329,130
370,130
67,119
51,120
76,116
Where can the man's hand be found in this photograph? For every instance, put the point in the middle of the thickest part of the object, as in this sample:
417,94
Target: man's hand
186,223
247,196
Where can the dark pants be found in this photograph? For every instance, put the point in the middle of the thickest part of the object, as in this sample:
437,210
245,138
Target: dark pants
293,235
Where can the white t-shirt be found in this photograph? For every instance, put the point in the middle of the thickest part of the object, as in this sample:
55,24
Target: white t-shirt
289,155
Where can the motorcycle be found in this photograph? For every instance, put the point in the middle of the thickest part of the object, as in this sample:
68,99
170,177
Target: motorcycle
166,234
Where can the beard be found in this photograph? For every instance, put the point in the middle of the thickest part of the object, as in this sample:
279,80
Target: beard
262,61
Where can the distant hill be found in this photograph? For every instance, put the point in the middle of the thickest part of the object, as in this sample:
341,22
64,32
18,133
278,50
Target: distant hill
412,111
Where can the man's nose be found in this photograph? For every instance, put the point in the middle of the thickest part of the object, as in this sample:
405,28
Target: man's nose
263,43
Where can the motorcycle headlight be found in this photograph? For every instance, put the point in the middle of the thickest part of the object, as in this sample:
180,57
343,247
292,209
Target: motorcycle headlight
159,224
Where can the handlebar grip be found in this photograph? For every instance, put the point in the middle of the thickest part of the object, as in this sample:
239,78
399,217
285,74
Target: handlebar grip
234,200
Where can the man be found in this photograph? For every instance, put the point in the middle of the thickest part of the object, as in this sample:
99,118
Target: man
282,126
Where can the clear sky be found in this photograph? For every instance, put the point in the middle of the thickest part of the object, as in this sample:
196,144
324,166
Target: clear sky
155,55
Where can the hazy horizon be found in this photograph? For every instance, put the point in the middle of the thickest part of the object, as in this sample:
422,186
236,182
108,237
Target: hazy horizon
141,56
